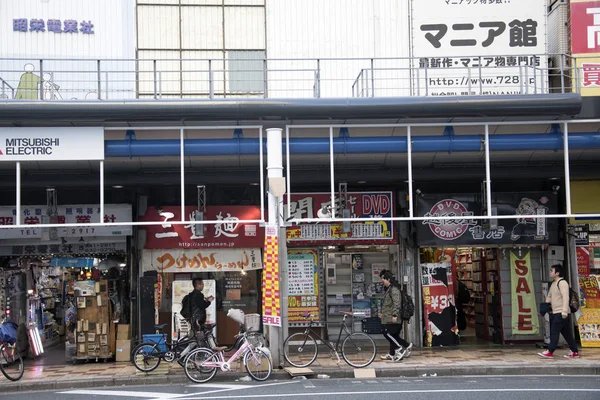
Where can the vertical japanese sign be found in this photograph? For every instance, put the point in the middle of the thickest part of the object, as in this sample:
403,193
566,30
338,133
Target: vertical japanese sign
439,304
271,302
303,284
583,261
524,308
585,44
479,47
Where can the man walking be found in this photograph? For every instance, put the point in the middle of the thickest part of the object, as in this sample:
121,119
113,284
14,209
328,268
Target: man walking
199,304
558,297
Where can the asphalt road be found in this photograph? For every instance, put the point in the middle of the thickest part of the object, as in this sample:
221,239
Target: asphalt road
425,388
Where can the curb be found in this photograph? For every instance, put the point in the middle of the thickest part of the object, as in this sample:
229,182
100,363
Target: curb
392,372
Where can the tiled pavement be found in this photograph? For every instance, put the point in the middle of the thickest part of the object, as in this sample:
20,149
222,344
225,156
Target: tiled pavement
505,360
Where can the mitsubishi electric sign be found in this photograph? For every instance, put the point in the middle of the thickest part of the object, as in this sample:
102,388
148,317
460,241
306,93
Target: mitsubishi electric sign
51,144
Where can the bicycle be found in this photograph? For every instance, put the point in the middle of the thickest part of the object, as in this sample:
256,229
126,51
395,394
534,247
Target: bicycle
202,364
147,356
301,349
11,363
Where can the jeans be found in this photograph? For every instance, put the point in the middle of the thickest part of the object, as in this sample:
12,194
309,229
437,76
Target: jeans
559,326
392,334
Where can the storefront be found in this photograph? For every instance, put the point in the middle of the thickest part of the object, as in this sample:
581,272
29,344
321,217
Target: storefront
587,249
335,267
501,262
226,255
51,278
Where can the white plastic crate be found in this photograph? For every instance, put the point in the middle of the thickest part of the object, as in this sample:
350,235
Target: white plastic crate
252,322
236,315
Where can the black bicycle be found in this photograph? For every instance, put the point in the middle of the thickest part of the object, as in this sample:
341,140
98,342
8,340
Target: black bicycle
358,349
11,363
147,356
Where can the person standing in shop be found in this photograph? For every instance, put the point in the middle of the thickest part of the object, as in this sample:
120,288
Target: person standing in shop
390,318
558,297
199,304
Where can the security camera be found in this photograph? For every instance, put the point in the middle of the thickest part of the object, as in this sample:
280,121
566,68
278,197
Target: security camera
555,188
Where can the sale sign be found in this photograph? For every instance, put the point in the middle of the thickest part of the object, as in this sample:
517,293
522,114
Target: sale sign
524,309
583,261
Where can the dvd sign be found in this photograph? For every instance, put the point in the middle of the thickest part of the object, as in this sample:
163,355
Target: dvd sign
449,229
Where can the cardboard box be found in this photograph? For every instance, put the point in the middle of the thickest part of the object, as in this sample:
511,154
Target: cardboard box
123,352
123,332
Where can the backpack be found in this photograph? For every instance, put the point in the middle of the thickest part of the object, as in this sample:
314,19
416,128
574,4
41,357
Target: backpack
573,299
186,306
407,309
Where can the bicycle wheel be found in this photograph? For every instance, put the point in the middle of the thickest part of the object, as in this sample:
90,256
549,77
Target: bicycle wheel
11,362
258,364
193,365
300,350
358,350
147,357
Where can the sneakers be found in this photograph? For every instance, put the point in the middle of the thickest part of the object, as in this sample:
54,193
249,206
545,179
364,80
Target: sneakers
387,357
400,353
572,355
409,350
546,354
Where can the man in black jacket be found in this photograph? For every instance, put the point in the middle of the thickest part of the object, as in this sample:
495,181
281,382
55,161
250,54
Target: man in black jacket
199,304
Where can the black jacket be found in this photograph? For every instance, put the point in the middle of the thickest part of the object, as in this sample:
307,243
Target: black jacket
199,306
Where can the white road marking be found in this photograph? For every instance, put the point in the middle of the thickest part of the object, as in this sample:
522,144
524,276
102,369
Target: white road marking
308,384
231,386
283,395
124,393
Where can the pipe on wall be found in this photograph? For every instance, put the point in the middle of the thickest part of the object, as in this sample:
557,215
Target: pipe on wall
353,145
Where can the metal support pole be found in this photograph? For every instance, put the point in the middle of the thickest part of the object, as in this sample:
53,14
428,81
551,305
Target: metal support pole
567,167
410,171
332,172
99,81
262,173
318,79
426,83
488,179
372,79
182,171
526,80
155,83
41,79
520,79
480,80
265,77
469,85
211,82
102,191
287,171
18,206
562,73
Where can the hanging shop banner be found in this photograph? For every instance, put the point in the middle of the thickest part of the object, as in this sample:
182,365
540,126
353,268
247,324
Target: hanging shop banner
524,307
74,246
271,302
479,47
439,304
523,230
66,214
228,233
180,326
376,205
581,233
52,144
303,284
194,260
583,260
585,44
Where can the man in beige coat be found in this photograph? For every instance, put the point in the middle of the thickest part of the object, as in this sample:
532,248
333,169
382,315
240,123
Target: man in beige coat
558,297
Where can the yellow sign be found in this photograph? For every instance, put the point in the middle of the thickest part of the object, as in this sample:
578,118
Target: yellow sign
524,309
587,73
589,327
584,200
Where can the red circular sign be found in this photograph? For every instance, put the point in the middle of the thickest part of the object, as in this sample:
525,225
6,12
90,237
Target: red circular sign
448,229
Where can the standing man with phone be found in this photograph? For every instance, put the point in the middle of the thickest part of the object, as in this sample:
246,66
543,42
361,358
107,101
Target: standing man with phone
199,304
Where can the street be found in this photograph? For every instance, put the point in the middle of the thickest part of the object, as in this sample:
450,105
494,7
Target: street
426,388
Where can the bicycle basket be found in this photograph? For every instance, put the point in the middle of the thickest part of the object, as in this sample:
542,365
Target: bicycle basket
236,315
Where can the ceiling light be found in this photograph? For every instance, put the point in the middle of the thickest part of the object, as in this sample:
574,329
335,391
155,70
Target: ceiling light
118,186
362,182
254,184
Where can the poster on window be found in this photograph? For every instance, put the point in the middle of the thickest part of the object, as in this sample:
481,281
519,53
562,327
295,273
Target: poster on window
180,289
303,284
479,47
589,291
439,304
589,327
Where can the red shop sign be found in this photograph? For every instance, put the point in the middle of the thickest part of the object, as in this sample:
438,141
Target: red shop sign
227,234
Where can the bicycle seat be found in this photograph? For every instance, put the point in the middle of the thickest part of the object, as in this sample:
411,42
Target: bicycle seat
219,348
160,327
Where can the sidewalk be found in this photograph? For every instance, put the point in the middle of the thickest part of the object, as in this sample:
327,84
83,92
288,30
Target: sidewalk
507,360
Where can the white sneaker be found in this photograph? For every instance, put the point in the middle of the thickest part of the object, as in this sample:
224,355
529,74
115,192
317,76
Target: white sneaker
400,353
387,357
409,350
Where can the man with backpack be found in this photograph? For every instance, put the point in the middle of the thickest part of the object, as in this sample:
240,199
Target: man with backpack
194,305
558,297
392,318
